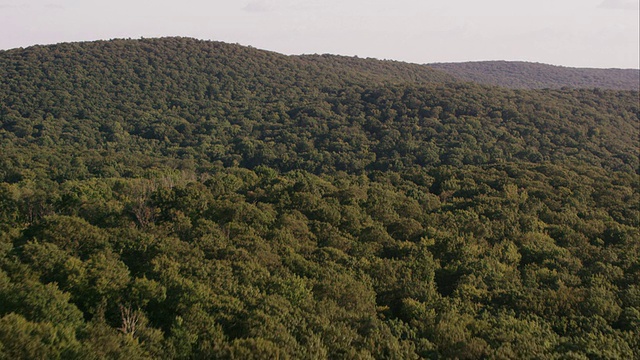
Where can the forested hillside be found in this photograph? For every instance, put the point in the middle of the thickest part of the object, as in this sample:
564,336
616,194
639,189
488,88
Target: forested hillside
176,198
527,75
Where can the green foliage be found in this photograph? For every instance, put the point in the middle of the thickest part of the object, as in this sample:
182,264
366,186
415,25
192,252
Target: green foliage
172,198
524,75
23,339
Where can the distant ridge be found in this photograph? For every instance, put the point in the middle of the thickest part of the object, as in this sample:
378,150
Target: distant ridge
327,68
390,71
528,75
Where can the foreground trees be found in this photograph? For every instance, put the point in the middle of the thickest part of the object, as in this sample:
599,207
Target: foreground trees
302,266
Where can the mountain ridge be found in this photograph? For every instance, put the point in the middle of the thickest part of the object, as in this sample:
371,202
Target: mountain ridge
505,73
533,75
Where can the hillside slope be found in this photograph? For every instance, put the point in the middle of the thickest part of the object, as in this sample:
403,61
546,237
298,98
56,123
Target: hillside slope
173,93
176,198
527,75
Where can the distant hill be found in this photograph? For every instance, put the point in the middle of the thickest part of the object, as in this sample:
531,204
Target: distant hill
527,75
204,85
389,71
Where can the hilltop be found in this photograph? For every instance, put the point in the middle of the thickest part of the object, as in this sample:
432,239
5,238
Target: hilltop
344,69
527,75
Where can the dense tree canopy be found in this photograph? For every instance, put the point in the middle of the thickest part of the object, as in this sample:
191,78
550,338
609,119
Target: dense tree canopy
174,198
527,75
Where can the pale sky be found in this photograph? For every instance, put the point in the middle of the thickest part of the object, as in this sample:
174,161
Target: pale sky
579,33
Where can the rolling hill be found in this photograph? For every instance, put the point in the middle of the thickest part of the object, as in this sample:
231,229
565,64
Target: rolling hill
528,75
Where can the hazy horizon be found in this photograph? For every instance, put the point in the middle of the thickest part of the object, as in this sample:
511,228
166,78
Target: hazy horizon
571,33
303,54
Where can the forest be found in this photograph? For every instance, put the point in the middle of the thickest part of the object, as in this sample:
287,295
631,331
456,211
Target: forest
528,75
175,198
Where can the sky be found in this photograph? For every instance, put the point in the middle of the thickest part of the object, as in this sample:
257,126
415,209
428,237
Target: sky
577,33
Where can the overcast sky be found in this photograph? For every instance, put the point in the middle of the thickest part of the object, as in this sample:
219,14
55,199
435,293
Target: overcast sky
581,33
